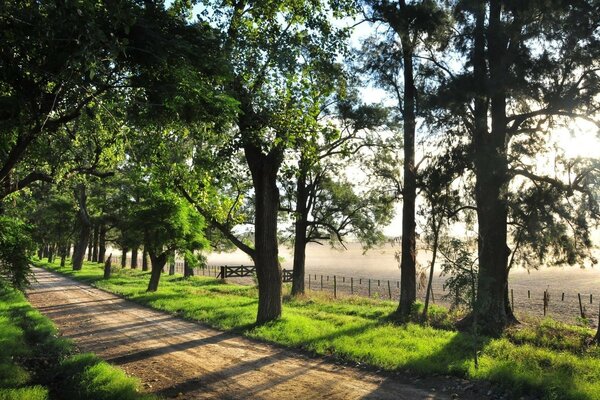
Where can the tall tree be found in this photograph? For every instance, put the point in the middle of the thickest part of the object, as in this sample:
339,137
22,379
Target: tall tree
272,47
413,25
510,97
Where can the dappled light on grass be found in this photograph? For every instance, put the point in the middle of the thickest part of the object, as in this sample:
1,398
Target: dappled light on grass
550,358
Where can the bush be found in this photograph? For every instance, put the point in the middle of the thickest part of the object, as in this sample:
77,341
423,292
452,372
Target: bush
16,246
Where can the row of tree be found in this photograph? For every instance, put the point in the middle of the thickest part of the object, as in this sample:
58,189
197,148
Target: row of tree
248,113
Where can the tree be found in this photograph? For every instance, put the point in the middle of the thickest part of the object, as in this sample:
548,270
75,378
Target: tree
413,25
325,204
272,48
508,98
169,224
56,60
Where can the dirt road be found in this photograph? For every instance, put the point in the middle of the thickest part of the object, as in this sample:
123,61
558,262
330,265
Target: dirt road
177,358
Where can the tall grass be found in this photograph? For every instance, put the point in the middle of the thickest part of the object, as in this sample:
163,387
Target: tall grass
550,359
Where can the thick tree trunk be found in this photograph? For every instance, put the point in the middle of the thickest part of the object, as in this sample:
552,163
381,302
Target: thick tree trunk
268,271
102,243
124,251
95,243
158,263
491,172
84,229
300,236
408,260
45,253
145,260
134,257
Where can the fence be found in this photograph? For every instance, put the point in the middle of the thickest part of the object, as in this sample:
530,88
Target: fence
558,304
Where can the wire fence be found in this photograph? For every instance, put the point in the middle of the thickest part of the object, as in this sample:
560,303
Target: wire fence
561,305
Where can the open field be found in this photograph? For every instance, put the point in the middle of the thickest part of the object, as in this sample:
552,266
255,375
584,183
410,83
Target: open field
548,360
380,264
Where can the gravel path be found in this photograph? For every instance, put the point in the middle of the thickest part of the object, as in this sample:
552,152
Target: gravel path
177,358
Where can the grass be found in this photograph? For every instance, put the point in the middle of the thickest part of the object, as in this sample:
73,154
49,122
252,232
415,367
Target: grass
36,364
547,359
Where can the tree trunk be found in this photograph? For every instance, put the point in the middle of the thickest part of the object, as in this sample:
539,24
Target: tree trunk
268,271
90,248
300,235
436,234
124,251
63,255
491,173
51,253
134,257
107,267
145,260
95,243
102,243
187,270
172,266
45,252
40,252
84,229
408,260
158,263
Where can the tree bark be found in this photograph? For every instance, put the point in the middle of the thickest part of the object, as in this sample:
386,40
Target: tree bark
491,173
172,266
102,243
298,271
187,270
90,247
84,228
268,271
436,234
408,260
134,257
95,243
158,263
51,253
107,267
145,260
124,251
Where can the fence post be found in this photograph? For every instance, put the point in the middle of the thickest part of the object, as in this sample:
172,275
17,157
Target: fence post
528,294
378,282
334,287
343,279
321,282
369,288
545,302
580,306
389,290
308,281
223,272
351,285
563,296
590,298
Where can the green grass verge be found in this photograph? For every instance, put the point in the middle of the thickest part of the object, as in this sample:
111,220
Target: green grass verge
36,364
547,359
